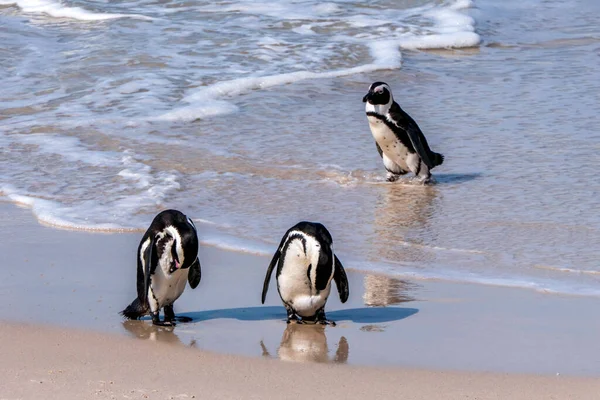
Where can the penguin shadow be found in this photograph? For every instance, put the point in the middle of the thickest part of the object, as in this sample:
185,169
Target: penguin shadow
241,314
372,315
308,343
442,179
143,330
273,313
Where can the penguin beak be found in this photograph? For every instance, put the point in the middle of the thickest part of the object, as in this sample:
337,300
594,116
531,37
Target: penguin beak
175,266
367,97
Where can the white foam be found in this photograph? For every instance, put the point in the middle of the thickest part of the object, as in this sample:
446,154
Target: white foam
57,10
365,21
280,10
442,41
204,102
461,4
82,215
208,107
52,213
120,201
305,29
445,41
452,28
385,54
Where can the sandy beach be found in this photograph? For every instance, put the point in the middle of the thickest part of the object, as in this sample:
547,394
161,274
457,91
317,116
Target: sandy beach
47,363
248,117
63,338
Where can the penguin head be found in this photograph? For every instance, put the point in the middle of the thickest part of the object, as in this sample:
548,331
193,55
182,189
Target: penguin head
167,248
379,94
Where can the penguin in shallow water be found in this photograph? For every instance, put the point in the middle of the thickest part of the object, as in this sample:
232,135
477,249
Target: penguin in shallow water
167,259
306,265
399,141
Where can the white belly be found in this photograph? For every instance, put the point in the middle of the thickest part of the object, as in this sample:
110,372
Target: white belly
294,285
388,142
166,288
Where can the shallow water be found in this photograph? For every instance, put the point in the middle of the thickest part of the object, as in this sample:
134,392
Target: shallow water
248,117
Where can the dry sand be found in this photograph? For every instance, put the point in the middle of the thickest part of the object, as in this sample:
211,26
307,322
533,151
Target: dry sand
49,363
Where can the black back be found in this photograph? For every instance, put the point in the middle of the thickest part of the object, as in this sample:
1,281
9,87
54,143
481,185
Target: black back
405,126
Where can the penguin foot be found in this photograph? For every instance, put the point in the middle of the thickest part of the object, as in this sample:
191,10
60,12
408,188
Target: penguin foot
327,322
322,319
425,180
291,315
168,321
391,177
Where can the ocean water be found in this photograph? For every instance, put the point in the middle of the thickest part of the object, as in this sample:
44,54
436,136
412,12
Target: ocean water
247,116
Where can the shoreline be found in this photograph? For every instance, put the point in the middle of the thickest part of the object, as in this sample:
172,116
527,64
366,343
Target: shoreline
248,250
82,280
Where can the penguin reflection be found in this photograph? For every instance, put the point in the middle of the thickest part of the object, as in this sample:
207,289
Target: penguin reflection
142,330
401,226
382,290
308,343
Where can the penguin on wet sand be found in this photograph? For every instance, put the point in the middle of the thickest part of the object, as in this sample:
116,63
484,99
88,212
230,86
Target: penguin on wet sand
167,259
306,264
399,141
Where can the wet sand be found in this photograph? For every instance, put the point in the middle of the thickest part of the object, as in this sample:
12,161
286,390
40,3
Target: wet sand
78,281
51,363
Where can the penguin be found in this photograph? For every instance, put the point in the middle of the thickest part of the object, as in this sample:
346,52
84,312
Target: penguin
398,139
306,264
167,258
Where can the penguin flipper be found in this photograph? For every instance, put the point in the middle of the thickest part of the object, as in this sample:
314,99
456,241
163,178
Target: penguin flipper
413,132
149,268
379,149
195,274
341,280
414,136
269,272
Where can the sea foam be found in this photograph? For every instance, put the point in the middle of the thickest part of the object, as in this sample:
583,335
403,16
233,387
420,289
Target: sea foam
58,10
128,184
452,29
